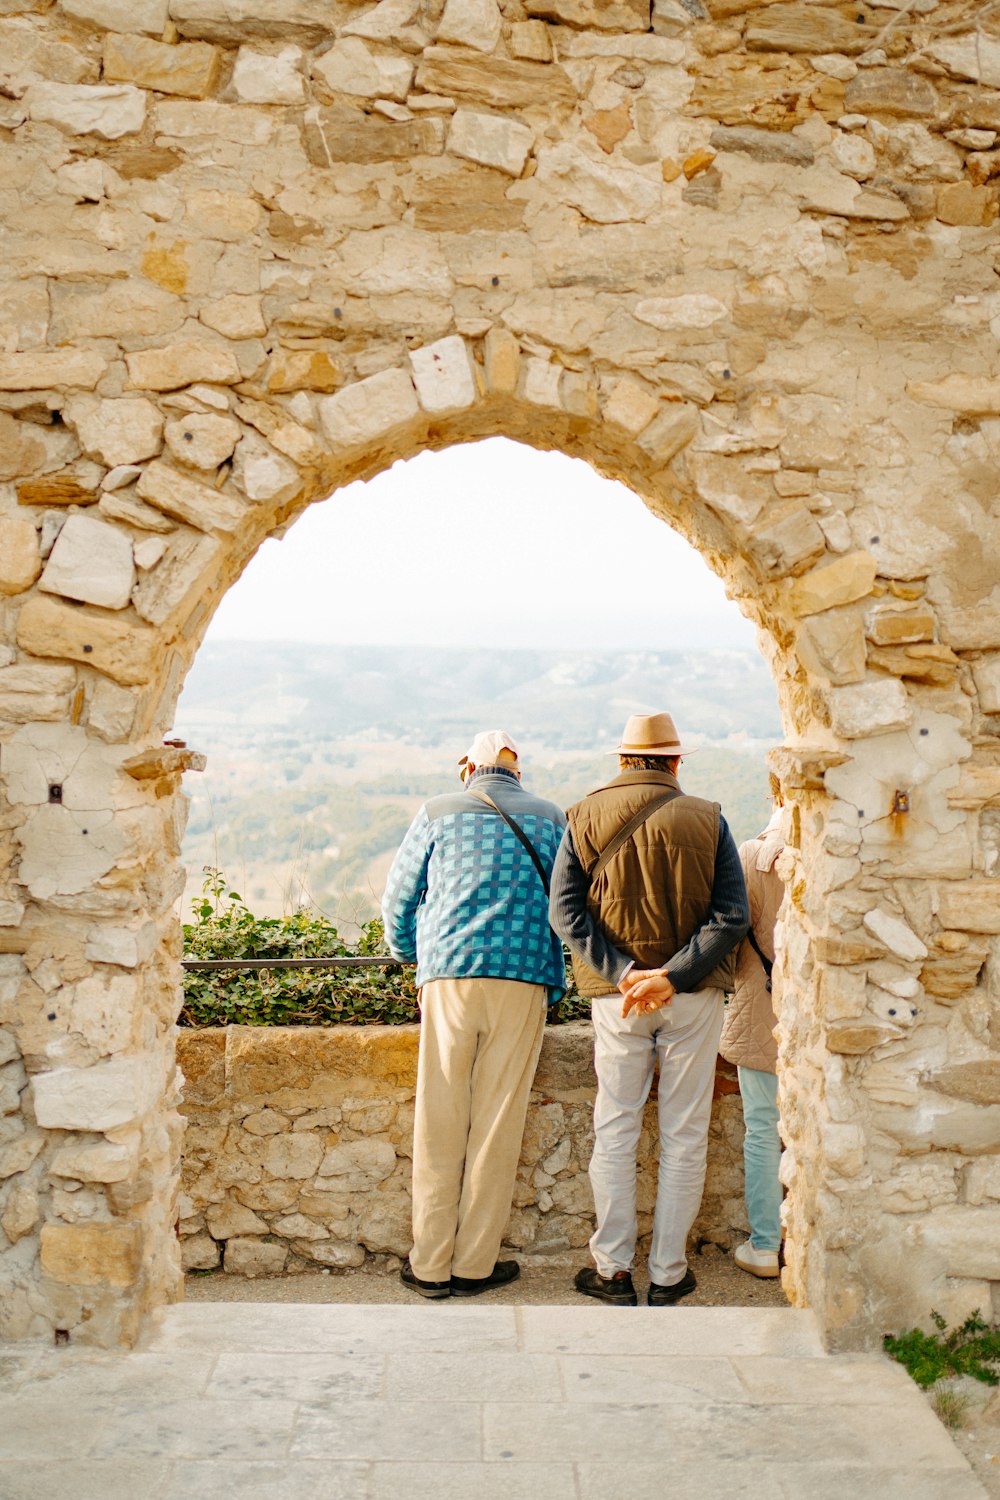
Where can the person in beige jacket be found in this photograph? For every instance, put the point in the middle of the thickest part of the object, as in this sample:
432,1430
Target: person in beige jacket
748,1041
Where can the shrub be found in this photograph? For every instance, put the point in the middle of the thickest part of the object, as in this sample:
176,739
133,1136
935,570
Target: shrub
225,927
970,1349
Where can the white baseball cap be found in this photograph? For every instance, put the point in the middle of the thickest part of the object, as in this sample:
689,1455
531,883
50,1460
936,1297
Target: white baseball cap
485,748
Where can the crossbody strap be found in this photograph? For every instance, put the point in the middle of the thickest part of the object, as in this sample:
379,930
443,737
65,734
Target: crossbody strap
624,834
518,832
768,964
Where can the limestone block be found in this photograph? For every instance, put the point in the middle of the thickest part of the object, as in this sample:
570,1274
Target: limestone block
199,1252
963,203
604,192
358,1165
105,1161
262,474
180,364
105,110
21,1213
789,543
301,370
896,934
352,66
891,91
18,1155
463,74
869,708
91,561
297,1226
853,155
540,382
502,360
982,1181
490,140
206,120
443,375
894,627
231,215
295,1156
369,409
21,452
631,405
390,21
966,1238
269,78
189,500
804,28
190,69
227,1220
970,905
102,1097
973,56
169,592
249,1257
396,260
842,581
20,554
111,644
825,191
385,1225
602,15
116,432
339,1256
92,1254
112,711
202,439
691,310
126,947
306,21
833,645
49,369
854,1038
471,23
764,145
342,135
149,16
977,1081
235,316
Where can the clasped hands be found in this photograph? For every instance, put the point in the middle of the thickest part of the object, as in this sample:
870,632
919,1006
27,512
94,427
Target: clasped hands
645,990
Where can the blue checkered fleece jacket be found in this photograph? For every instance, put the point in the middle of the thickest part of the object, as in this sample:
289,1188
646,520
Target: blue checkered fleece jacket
463,896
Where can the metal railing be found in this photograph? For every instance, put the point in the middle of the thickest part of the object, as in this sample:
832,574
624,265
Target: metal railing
217,965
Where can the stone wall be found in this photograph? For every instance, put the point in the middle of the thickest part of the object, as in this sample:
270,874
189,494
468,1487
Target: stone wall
298,1149
740,255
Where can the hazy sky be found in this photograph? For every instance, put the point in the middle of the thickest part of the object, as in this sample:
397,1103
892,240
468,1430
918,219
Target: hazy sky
480,543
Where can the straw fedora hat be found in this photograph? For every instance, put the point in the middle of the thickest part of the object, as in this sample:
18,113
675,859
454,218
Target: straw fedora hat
651,734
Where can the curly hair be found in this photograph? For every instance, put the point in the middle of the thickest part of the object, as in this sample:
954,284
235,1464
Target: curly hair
648,762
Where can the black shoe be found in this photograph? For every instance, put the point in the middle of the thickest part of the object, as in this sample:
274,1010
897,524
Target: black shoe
470,1286
617,1289
666,1296
432,1289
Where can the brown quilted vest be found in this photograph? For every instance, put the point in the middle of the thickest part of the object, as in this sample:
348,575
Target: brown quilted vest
655,891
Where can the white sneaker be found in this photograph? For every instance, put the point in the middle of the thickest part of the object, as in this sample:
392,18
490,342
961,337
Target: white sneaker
757,1262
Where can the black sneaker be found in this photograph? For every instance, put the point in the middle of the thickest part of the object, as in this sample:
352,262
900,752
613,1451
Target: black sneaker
617,1289
432,1289
666,1296
470,1286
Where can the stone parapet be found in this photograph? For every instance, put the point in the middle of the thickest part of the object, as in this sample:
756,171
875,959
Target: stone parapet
298,1147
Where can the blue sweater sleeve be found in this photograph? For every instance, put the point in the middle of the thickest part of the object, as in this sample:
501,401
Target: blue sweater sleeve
727,921
406,888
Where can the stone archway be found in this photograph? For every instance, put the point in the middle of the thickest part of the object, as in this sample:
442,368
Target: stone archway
735,256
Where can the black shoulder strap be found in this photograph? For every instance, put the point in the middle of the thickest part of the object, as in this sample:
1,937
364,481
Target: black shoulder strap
518,832
624,834
767,962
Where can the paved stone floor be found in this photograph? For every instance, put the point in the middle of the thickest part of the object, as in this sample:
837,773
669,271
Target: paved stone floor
436,1401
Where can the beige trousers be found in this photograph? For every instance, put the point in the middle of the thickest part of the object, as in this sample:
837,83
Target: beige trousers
479,1044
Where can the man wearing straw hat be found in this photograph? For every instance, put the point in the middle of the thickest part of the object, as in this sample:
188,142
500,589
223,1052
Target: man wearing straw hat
648,892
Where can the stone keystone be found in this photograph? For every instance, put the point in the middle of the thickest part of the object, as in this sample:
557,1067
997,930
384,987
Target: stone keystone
443,375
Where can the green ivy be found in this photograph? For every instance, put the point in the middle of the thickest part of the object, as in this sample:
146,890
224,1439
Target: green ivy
225,927
967,1350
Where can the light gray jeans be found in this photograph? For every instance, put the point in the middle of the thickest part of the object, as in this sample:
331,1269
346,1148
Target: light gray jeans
684,1036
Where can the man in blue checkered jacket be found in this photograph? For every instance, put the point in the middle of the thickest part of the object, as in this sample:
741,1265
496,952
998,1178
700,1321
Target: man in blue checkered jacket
467,897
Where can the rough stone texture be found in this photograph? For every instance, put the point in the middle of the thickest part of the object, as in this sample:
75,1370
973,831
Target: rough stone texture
328,1146
737,255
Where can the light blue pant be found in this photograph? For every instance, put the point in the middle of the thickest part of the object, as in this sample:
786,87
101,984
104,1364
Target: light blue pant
761,1157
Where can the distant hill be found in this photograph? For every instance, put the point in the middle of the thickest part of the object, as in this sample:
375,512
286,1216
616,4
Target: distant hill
318,756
